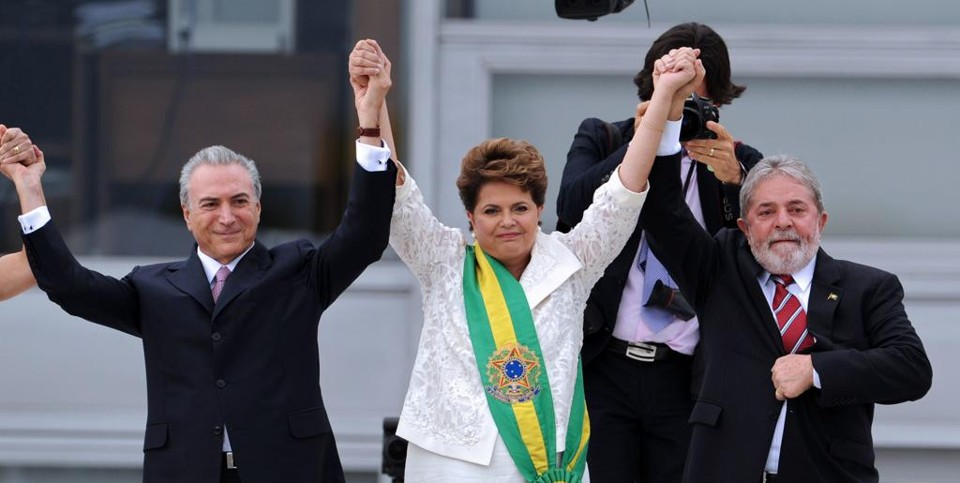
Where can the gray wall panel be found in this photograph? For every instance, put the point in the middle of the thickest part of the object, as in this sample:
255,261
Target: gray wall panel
876,145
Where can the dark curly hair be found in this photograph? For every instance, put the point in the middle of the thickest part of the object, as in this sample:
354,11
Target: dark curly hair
503,159
713,53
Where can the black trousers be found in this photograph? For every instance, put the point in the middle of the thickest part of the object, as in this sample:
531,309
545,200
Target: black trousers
639,412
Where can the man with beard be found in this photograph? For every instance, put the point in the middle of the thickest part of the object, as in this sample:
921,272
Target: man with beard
801,346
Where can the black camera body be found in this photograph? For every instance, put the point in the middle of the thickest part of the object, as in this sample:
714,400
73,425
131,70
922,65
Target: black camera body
696,112
671,300
589,9
394,453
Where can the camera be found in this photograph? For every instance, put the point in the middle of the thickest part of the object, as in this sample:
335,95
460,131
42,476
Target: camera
589,9
696,112
394,451
671,300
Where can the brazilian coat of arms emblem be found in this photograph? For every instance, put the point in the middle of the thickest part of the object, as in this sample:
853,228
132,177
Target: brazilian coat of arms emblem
513,374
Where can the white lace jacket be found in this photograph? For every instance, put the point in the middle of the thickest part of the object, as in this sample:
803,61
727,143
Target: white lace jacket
445,410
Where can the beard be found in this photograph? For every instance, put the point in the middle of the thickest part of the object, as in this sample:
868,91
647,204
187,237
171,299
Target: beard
785,259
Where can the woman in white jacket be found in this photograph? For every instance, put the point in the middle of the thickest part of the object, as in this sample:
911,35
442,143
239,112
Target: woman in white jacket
496,391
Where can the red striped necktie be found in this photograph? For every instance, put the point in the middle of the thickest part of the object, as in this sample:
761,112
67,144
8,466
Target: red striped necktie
791,318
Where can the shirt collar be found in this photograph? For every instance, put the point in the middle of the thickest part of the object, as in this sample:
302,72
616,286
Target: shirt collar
210,266
803,277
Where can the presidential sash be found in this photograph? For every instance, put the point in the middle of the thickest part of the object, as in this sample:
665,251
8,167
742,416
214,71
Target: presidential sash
514,376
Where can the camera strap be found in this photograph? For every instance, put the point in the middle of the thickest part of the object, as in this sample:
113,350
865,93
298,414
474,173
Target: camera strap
686,181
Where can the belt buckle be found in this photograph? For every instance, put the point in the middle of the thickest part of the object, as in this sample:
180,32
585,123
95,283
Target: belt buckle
640,351
231,463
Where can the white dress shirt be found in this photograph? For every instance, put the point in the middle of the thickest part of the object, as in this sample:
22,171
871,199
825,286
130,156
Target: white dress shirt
803,281
681,336
210,268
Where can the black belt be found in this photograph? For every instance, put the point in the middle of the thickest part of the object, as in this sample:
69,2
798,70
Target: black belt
769,478
645,351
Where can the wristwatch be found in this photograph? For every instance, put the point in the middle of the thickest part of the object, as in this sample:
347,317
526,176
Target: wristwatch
373,132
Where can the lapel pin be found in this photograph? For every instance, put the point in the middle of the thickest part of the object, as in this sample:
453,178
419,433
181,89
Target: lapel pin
832,296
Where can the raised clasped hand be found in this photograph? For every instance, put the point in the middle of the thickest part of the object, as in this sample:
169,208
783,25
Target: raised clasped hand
369,70
18,155
679,70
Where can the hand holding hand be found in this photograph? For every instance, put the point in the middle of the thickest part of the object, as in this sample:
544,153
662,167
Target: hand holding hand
19,157
689,88
369,70
792,375
15,146
718,154
677,70
679,59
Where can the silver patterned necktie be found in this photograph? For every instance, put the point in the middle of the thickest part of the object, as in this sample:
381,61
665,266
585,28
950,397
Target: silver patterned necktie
219,281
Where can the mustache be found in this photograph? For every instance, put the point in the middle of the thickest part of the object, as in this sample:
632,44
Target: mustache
784,235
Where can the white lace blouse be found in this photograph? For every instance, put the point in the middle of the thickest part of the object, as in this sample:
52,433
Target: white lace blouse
445,410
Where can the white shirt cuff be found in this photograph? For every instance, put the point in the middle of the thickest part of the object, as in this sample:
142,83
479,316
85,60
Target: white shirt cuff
34,219
670,141
373,158
816,379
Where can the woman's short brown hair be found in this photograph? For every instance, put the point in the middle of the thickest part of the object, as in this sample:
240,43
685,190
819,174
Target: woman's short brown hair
503,159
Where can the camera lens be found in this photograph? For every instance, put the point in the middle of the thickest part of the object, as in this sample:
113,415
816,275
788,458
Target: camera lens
691,124
696,112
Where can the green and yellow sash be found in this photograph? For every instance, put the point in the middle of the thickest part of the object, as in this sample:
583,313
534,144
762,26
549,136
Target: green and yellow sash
514,377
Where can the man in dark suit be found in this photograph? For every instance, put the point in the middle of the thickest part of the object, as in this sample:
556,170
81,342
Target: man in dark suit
229,334
638,376
801,345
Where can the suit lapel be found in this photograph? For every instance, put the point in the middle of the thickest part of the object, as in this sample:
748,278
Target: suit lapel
749,270
709,190
825,296
188,277
246,274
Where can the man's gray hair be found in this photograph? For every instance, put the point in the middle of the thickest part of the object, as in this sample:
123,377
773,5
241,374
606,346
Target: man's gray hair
217,156
779,165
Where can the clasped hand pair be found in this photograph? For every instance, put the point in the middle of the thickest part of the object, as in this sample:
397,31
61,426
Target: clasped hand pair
718,154
20,159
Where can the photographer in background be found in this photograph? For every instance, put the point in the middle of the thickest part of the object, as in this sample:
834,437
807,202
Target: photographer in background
640,335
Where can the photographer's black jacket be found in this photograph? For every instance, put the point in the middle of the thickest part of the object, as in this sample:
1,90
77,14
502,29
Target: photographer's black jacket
597,149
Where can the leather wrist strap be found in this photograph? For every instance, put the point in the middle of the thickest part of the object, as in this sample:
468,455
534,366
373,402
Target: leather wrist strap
373,132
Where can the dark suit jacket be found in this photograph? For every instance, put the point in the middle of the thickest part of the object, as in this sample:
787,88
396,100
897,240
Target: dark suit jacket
596,151
867,352
249,362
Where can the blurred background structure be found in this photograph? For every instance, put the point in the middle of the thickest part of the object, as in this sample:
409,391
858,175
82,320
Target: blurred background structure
120,93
